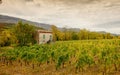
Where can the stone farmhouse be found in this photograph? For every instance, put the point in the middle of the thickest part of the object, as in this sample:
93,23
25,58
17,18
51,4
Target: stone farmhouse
43,36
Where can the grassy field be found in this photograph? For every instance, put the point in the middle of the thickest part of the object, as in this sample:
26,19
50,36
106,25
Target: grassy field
86,57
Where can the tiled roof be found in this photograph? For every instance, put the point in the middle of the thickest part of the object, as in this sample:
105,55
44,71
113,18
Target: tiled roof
43,31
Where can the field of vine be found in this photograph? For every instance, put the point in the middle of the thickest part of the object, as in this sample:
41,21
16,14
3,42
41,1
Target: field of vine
86,57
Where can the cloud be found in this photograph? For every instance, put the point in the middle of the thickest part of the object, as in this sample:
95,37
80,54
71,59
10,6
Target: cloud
109,4
63,2
83,1
29,0
109,25
80,13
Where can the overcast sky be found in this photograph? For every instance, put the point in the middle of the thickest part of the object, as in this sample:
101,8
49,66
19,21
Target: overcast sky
95,15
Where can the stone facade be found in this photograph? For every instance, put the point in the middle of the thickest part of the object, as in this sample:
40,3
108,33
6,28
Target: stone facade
44,36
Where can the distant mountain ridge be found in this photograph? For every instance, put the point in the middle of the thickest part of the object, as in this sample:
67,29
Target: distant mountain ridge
12,20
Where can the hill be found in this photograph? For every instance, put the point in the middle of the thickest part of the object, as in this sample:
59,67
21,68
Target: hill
8,20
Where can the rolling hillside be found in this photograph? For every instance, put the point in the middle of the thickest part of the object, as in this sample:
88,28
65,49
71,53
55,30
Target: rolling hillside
7,20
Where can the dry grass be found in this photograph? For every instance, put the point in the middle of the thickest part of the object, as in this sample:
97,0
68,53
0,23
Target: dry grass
44,69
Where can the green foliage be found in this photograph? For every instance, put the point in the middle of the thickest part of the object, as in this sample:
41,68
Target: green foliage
24,33
83,34
82,55
56,33
7,38
21,34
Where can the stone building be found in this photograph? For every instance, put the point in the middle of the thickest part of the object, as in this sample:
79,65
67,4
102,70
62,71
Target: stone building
43,36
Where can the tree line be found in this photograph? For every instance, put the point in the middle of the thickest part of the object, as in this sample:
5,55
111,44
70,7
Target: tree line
83,34
22,34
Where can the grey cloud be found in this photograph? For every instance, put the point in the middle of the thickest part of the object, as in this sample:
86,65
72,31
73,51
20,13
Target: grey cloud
28,0
66,2
87,1
70,2
109,25
80,13
110,4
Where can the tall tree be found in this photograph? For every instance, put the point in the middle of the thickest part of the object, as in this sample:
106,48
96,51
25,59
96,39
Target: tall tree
75,36
83,34
24,33
56,33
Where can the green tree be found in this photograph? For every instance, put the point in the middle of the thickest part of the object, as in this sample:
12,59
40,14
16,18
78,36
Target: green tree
7,38
83,34
24,33
56,33
75,36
